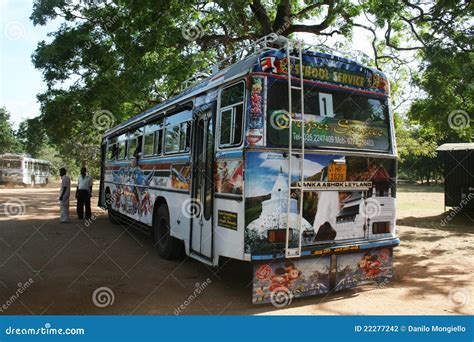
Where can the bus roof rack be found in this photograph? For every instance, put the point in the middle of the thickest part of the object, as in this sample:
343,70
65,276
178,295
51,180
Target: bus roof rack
271,41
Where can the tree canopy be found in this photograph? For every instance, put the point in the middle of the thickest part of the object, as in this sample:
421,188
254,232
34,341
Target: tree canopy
123,56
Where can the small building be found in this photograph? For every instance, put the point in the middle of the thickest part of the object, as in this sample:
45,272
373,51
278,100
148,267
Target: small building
458,174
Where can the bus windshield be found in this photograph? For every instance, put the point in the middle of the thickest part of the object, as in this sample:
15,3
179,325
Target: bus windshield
333,118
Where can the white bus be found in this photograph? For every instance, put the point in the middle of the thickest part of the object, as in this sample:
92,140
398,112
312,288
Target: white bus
285,159
21,169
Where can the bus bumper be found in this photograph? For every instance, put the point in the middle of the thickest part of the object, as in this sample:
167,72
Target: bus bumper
321,271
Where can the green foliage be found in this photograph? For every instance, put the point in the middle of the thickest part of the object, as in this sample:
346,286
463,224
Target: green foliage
31,134
125,56
448,104
8,141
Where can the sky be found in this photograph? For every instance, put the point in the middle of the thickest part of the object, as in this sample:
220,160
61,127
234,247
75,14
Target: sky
20,81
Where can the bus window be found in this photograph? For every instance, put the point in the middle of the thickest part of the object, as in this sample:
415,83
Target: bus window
159,141
153,138
226,121
112,149
135,140
132,144
172,139
231,115
149,143
122,153
12,164
185,136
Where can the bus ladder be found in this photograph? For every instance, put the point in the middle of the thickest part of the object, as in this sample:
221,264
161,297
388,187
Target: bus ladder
295,252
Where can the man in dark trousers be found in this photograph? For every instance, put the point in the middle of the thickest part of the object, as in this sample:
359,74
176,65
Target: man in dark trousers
83,194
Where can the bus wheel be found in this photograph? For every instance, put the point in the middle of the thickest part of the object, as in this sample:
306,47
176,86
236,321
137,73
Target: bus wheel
110,211
168,246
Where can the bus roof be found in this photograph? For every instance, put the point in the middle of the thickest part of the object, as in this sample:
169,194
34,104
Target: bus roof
22,156
318,66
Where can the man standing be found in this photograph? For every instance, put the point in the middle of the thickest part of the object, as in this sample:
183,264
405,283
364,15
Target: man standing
64,195
83,195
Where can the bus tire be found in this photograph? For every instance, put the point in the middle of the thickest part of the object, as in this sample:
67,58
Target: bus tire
168,246
110,212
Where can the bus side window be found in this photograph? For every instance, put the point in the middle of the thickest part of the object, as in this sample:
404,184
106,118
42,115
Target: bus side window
159,141
132,142
138,147
122,147
231,115
113,151
149,143
172,139
185,137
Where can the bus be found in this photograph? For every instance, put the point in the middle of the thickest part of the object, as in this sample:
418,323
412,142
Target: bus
21,169
285,159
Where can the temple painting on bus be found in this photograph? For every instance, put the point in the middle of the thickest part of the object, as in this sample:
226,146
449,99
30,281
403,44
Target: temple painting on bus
349,193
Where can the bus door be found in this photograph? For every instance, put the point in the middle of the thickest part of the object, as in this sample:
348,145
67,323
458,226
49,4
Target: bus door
202,184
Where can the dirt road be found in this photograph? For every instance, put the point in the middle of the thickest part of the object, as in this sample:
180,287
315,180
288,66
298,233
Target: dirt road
52,268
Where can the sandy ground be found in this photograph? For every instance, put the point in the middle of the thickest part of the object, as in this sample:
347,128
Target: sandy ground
58,267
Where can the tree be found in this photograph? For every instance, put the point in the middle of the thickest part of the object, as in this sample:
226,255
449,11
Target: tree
32,135
8,140
124,56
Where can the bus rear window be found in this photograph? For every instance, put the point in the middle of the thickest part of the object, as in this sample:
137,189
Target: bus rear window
332,119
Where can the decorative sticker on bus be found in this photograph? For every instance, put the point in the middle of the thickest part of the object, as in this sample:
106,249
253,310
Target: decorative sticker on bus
340,186
130,194
180,176
131,186
325,68
255,118
360,268
227,219
285,279
342,212
229,177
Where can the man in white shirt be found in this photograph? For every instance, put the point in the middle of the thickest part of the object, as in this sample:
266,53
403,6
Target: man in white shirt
83,195
64,196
